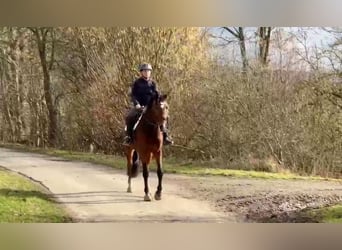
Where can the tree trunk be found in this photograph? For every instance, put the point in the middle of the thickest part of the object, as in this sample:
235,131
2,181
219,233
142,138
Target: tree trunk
239,34
5,106
41,35
243,50
264,43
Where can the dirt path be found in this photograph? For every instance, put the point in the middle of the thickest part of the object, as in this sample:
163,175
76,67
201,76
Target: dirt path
94,193
98,193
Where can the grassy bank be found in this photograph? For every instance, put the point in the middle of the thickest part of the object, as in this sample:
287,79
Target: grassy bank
169,165
331,214
23,201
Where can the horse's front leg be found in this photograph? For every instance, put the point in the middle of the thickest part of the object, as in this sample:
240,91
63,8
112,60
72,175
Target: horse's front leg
158,157
129,155
148,196
129,189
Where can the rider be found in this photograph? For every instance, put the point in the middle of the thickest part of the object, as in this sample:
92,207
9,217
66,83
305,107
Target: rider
142,90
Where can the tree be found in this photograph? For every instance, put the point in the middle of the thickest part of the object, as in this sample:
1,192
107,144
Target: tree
12,84
239,34
264,38
43,44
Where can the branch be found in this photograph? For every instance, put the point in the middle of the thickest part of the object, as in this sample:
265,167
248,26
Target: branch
236,33
224,39
52,51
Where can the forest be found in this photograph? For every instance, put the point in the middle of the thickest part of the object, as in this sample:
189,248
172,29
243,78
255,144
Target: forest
261,98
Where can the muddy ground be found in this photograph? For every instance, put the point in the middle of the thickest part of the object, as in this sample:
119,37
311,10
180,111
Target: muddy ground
259,200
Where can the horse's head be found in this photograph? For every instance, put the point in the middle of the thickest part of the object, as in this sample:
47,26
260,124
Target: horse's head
159,108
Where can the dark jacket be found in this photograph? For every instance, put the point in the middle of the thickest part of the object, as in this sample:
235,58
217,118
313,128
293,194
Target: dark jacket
142,91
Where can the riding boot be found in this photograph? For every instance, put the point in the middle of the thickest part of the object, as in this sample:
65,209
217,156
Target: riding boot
130,120
128,138
166,139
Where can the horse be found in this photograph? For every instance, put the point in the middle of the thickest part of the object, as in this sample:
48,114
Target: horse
147,144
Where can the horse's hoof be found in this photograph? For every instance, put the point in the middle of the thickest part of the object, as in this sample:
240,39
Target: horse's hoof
157,196
129,190
147,197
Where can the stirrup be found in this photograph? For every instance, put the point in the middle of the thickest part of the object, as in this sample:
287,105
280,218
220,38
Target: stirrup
167,141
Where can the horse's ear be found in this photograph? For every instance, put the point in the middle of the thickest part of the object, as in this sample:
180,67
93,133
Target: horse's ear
162,98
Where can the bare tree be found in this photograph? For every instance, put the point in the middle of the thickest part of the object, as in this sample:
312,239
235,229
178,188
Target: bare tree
12,84
264,37
239,34
41,37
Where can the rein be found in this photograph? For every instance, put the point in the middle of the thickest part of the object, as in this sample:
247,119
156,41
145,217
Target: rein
154,124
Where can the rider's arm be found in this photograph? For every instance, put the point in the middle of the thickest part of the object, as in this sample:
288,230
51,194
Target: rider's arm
134,94
154,87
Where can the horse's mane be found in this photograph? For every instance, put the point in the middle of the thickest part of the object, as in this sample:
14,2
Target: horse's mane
155,97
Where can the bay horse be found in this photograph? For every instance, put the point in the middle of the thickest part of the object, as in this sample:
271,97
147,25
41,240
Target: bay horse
147,144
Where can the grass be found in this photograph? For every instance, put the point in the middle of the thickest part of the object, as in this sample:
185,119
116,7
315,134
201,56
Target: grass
331,214
22,201
169,165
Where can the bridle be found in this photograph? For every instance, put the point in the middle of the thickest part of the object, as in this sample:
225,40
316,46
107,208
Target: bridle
149,122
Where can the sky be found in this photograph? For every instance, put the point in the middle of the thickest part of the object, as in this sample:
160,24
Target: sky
314,37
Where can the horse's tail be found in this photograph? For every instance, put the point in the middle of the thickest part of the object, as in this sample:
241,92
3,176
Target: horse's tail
135,166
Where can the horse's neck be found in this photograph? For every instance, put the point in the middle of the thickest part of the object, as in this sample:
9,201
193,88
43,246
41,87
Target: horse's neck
150,118
149,123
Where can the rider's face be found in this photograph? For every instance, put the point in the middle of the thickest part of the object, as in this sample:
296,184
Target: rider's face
146,73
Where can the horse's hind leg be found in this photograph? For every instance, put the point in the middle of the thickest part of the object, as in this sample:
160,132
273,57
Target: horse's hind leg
158,193
146,189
